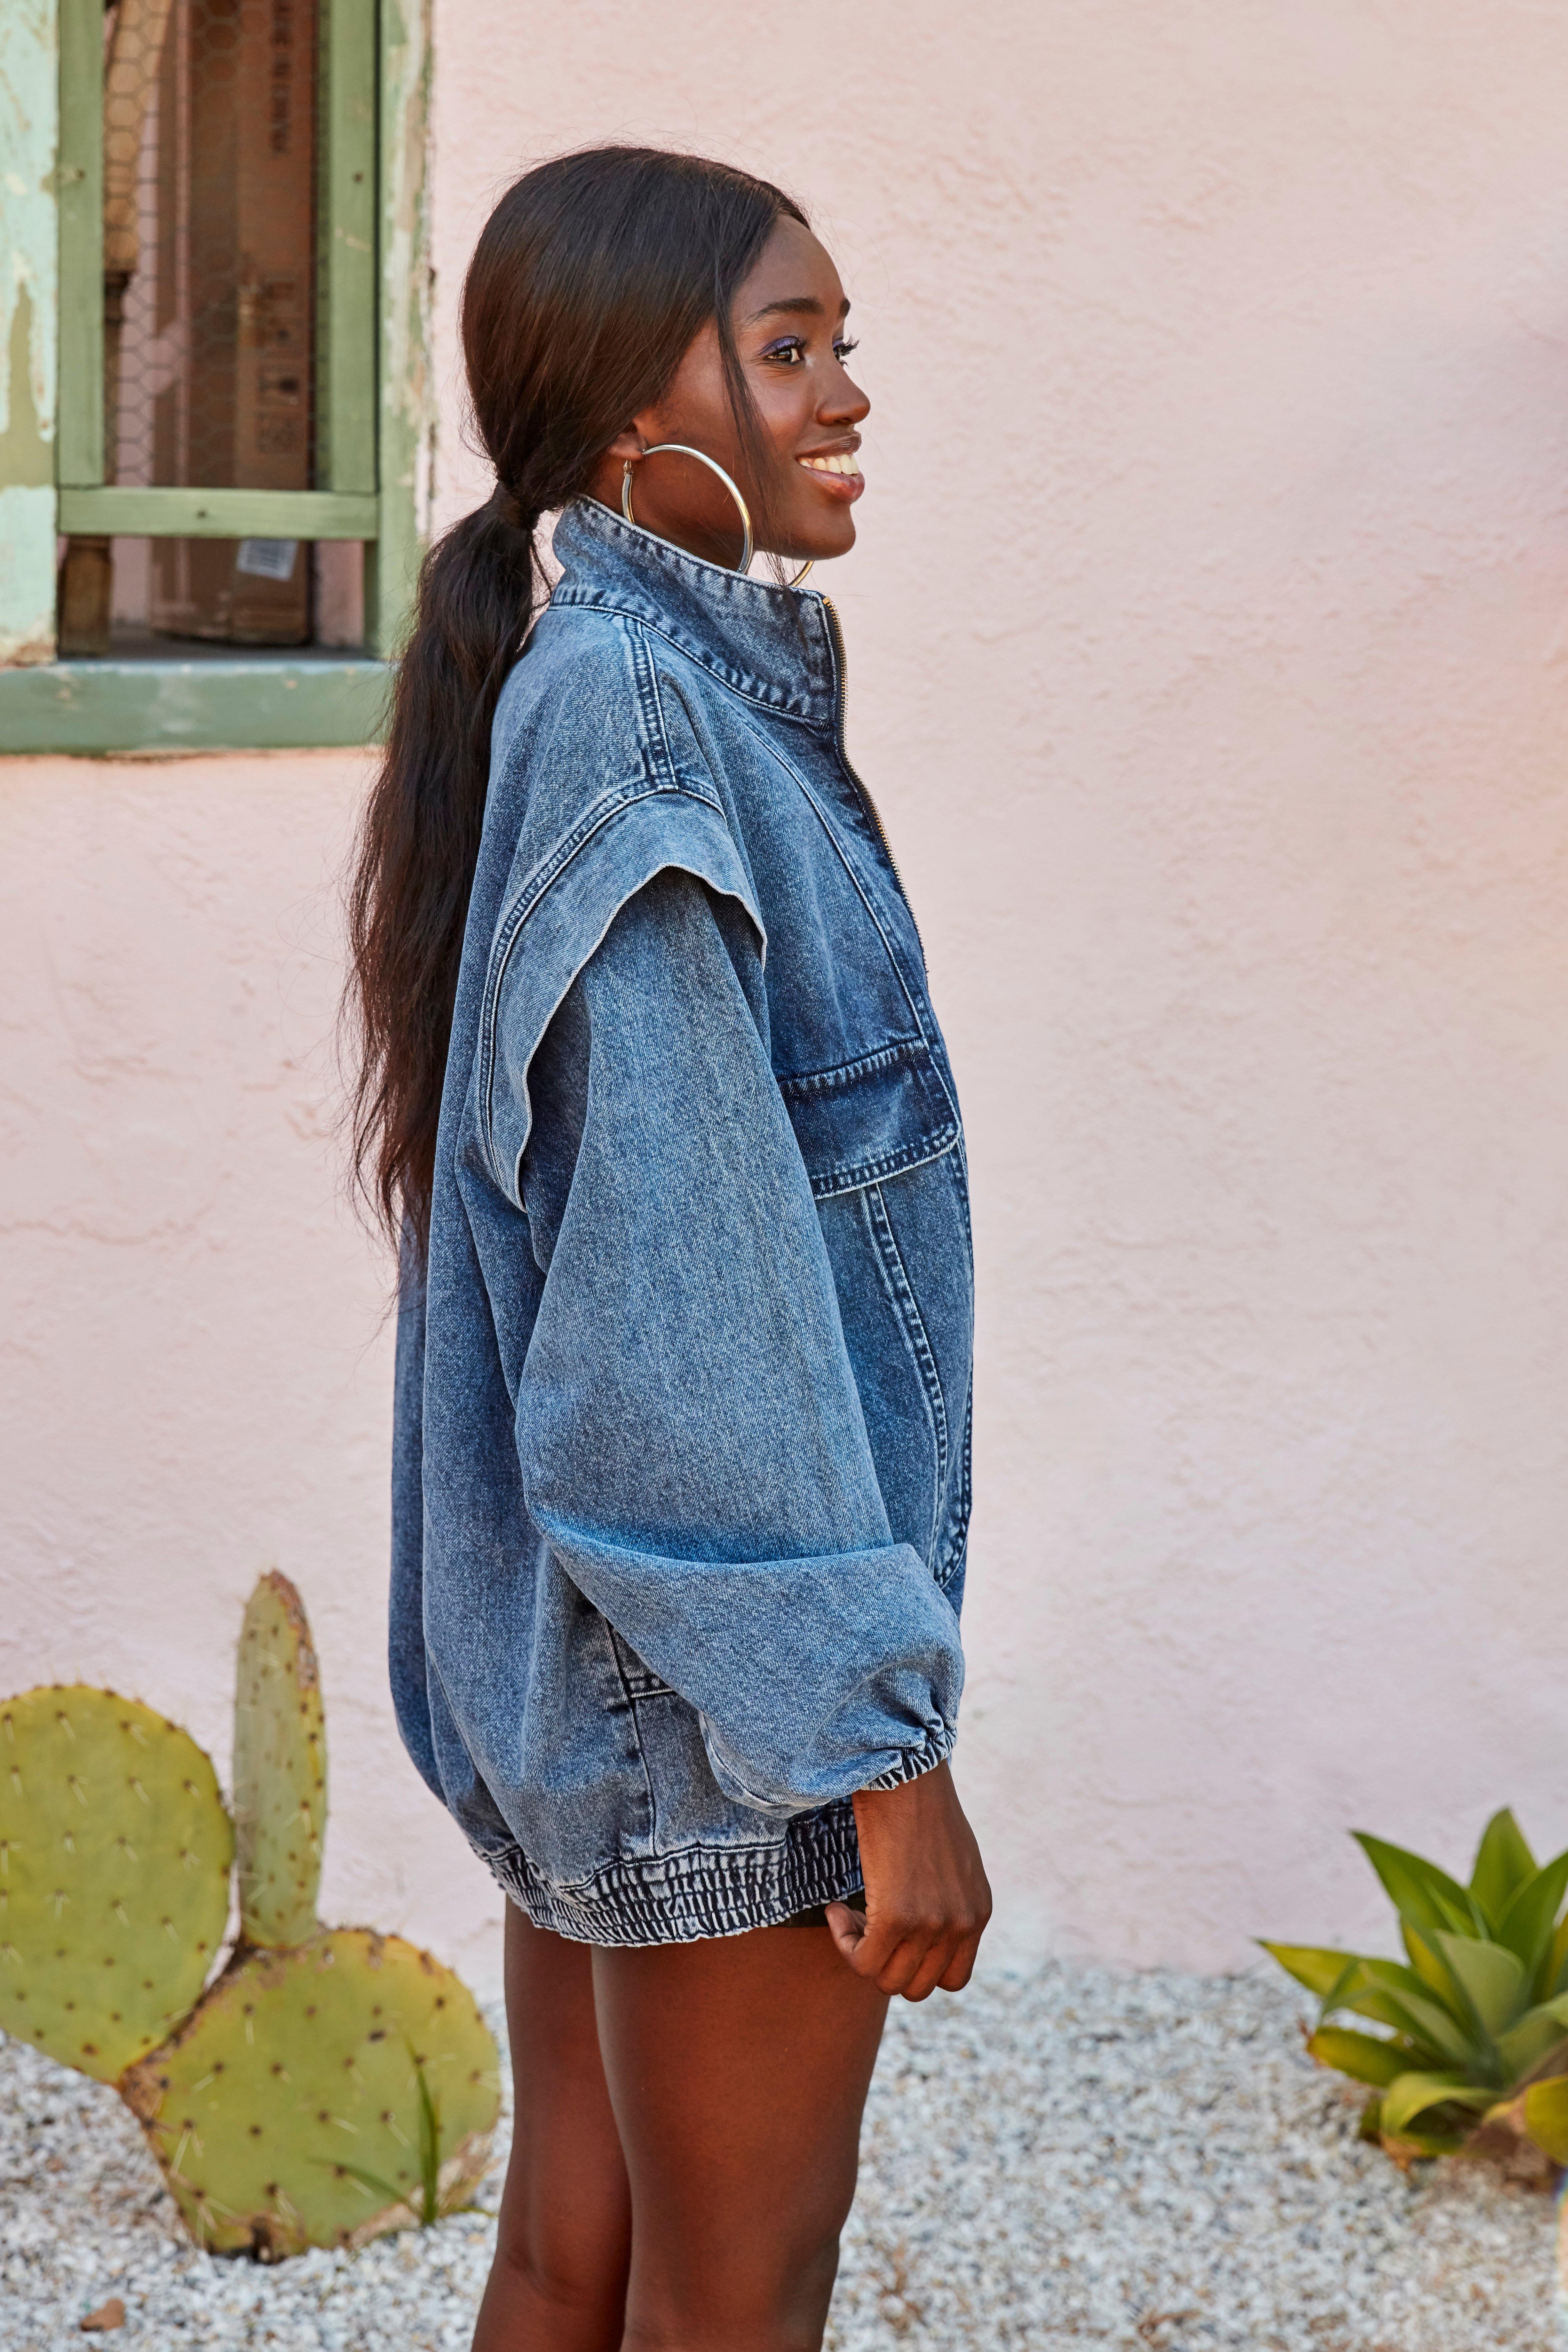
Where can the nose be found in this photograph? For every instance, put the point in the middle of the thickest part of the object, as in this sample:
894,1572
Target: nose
843,401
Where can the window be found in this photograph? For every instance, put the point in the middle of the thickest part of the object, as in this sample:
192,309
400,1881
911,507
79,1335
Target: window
237,325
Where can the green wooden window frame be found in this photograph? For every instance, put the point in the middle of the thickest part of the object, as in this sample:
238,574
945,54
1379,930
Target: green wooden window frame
372,428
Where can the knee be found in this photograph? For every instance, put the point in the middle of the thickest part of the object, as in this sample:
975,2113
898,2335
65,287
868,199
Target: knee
563,2276
777,2302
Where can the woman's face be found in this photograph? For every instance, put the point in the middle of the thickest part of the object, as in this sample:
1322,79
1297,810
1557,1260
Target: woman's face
789,329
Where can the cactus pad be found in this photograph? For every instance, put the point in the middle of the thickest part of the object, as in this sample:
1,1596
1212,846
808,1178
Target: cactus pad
115,1861
300,2070
279,1768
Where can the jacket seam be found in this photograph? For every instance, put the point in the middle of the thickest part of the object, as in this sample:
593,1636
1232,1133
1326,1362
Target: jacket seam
636,1732
509,931
854,1176
958,1533
645,673
916,1340
847,1074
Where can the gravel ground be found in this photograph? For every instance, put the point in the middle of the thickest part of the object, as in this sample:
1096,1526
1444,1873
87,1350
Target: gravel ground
1064,2159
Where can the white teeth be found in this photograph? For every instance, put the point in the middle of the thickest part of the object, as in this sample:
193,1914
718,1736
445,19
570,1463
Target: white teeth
831,465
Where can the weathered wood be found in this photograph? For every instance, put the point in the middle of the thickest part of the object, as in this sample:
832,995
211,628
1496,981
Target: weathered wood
345,368
80,241
126,510
206,703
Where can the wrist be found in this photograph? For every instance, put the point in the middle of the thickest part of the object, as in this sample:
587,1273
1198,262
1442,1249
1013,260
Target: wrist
879,1801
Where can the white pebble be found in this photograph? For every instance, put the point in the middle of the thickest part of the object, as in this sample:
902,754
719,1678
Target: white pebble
1070,2156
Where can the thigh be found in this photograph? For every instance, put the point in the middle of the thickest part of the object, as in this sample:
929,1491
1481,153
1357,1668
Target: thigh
738,2069
564,2239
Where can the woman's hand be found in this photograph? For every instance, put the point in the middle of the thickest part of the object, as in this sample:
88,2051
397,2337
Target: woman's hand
926,1898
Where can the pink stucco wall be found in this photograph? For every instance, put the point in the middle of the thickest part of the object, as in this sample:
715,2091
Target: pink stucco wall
1208,644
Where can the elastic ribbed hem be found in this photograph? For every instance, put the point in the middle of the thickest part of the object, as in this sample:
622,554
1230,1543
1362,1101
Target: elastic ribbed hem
678,1898
913,1761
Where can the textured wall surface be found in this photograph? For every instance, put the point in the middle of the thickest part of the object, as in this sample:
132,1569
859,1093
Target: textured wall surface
196,1369
1210,645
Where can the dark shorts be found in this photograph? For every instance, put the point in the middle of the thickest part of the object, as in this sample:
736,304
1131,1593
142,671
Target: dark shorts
817,1915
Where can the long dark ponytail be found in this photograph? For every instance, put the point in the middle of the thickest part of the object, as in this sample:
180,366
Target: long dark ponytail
588,283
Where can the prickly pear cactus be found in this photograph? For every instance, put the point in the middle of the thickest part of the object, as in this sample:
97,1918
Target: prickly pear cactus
280,1768
300,2073
114,1860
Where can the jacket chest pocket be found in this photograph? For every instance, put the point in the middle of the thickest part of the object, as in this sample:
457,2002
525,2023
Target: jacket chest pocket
880,1139
871,1119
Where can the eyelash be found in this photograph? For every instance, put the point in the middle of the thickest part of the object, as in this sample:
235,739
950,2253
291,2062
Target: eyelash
795,343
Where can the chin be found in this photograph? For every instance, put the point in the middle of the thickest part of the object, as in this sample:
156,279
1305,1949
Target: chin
826,548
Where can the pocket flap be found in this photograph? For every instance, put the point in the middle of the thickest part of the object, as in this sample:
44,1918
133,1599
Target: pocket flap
888,1111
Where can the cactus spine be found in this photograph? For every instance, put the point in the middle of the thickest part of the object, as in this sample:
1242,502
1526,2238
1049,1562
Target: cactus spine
279,1768
298,2075
114,1862
286,2104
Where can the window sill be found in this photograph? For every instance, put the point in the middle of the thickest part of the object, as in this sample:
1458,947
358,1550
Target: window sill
236,703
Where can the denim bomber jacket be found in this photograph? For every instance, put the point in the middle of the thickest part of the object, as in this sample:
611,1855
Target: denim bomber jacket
681,1454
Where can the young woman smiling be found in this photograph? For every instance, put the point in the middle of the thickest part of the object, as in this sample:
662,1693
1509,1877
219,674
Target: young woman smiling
654,1101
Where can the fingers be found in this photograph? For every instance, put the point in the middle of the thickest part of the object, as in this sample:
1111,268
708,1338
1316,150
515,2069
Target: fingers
907,1958
847,1929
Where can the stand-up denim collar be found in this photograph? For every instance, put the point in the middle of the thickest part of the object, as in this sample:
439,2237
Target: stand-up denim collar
772,645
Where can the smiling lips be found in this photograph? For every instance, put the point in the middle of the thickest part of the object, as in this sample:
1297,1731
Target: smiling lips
838,470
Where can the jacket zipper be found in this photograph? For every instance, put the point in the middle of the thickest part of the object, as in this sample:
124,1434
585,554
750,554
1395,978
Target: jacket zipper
875,813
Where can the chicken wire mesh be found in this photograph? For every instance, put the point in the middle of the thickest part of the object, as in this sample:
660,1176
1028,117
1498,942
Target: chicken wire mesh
209,217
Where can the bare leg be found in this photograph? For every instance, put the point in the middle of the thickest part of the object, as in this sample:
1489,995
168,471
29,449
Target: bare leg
559,2280
738,2069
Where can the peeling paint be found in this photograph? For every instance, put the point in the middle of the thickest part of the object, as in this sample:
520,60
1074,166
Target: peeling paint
26,574
27,454
406,424
29,303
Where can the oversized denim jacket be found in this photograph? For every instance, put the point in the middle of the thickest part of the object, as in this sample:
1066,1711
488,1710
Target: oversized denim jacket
682,1425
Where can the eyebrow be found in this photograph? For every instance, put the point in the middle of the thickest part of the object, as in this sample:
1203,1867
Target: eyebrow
797,305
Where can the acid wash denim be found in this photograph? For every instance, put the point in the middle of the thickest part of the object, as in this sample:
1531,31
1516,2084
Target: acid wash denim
681,1452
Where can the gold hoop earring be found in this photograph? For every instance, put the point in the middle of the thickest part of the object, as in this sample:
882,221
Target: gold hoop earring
685,449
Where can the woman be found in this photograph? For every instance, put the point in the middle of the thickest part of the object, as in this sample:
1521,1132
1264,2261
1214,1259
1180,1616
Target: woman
652,1092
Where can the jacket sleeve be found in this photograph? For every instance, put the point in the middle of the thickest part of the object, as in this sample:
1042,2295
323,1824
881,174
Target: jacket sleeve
688,1426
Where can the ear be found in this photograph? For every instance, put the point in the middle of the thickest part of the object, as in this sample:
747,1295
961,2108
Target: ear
630,442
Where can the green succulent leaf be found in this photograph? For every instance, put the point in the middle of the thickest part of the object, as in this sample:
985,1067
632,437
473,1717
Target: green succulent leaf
1528,1921
1503,1864
1361,2055
1421,1893
1538,2032
1490,1979
1312,1965
1546,2116
1407,2004
1429,2143
1359,1997
429,2145
1555,1974
1426,1962
1417,2095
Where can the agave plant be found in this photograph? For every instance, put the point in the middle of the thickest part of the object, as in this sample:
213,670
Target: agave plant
1474,2021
